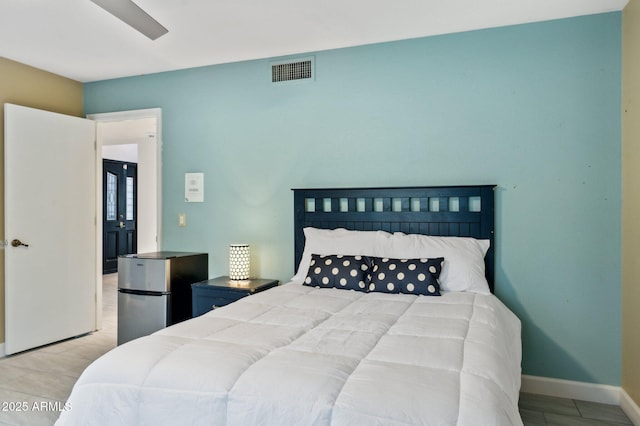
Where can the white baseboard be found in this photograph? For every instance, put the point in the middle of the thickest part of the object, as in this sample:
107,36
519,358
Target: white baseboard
604,394
630,408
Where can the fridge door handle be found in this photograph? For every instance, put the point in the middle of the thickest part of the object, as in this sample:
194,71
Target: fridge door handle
143,292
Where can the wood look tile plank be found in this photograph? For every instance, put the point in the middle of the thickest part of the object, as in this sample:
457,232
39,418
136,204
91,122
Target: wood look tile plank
42,384
50,363
604,412
532,418
27,410
9,372
548,404
560,420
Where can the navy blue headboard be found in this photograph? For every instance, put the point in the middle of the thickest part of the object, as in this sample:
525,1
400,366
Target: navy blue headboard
463,211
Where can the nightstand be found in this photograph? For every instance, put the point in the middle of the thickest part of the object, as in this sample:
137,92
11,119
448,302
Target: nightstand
220,291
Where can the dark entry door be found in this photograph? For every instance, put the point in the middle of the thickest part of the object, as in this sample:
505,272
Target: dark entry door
119,212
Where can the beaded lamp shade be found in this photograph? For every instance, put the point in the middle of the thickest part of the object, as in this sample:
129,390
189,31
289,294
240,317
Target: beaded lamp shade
239,260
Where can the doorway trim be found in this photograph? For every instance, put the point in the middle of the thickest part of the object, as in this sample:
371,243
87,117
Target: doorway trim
113,117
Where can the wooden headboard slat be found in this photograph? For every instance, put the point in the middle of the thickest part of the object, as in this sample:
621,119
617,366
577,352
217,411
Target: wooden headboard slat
465,211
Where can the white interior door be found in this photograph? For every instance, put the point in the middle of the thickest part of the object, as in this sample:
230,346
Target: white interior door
50,205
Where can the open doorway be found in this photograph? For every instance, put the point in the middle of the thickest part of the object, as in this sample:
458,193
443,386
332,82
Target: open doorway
134,136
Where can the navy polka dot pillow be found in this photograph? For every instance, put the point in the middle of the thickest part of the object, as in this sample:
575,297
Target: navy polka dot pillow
339,271
410,276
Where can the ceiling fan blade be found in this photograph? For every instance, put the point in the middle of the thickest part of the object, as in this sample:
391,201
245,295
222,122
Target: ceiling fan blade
131,14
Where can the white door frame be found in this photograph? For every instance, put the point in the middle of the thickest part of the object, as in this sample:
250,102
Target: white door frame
122,116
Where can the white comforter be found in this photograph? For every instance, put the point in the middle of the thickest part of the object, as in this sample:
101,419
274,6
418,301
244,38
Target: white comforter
296,355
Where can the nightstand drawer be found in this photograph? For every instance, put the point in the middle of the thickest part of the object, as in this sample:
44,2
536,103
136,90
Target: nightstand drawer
221,291
204,302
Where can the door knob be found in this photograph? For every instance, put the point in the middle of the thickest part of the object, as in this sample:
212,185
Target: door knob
18,243
122,225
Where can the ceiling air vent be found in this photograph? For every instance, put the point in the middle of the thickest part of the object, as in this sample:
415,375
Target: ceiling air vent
288,71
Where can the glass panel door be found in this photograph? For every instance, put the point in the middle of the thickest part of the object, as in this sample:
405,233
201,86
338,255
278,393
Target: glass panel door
130,198
112,196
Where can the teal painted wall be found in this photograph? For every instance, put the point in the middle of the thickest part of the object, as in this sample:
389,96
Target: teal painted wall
533,108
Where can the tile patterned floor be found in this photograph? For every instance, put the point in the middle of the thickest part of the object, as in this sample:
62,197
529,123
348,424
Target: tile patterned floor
41,380
539,410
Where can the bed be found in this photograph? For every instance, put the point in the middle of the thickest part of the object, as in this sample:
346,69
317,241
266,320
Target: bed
348,341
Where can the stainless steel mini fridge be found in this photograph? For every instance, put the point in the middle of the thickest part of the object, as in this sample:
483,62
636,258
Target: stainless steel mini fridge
154,290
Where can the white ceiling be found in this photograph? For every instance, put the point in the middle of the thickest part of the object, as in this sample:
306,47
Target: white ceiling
79,40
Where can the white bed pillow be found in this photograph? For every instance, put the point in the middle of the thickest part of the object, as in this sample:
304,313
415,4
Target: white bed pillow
338,241
463,258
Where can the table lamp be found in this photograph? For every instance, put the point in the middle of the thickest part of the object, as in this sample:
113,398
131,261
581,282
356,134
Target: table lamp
239,261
